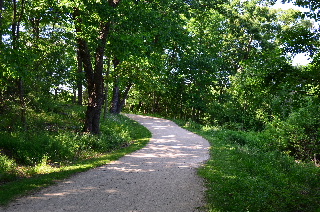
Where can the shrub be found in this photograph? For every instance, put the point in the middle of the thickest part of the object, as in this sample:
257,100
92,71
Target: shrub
7,168
244,173
236,137
30,147
299,134
192,124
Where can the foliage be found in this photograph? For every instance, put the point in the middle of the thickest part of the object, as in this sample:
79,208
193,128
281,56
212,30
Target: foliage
225,63
8,168
298,134
312,5
235,69
244,173
46,173
56,139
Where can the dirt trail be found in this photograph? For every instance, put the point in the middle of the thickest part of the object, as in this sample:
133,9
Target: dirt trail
160,177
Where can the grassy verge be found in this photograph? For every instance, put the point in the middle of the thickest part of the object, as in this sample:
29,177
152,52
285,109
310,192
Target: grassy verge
243,175
134,136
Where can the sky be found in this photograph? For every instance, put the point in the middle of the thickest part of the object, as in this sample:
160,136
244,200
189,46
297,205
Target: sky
288,6
299,59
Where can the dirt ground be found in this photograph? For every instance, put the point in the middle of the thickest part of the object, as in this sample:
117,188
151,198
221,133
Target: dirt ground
160,177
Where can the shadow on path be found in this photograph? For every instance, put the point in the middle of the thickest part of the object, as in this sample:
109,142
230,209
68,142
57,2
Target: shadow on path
160,177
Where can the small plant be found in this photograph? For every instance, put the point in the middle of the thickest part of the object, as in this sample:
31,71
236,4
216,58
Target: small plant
8,168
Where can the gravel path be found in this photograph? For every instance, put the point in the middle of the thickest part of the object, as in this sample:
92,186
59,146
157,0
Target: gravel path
160,177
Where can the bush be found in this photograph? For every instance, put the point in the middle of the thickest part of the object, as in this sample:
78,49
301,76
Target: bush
192,124
299,134
35,148
7,168
236,137
246,173
25,148
30,147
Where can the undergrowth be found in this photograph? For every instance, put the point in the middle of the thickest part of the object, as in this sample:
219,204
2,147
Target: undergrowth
246,173
54,148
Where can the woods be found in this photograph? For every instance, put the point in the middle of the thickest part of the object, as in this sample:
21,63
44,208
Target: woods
65,66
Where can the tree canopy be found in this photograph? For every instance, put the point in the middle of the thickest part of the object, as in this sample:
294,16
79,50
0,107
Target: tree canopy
214,62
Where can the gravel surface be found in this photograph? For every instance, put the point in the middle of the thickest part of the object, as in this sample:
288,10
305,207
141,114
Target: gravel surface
160,177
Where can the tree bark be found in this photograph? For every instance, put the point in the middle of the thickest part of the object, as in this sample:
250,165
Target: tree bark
119,98
116,89
106,90
15,33
94,75
122,101
22,103
115,96
79,79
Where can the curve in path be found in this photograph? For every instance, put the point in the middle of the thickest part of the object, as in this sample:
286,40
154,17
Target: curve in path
160,177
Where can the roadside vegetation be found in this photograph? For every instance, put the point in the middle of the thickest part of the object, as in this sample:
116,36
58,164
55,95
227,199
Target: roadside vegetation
215,63
54,147
246,172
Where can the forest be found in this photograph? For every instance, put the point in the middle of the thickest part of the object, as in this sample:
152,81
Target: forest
69,68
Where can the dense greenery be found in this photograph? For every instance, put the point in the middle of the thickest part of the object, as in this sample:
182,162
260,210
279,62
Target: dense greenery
222,63
236,72
245,173
40,158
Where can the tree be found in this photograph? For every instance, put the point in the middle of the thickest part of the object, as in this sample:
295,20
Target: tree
135,50
93,67
313,5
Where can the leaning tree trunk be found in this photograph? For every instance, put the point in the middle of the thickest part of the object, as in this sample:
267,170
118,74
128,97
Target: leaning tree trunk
122,101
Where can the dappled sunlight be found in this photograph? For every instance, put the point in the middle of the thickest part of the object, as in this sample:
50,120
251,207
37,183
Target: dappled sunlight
167,150
161,170
130,168
159,127
168,136
75,191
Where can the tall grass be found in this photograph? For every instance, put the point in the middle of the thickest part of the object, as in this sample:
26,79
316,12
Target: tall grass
244,173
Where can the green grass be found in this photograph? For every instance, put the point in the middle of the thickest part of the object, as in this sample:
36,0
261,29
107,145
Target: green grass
127,136
243,175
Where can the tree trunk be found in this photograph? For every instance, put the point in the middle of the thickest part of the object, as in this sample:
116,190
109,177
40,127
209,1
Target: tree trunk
118,98
1,43
106,90
22,103
15,33
79,79
116,89
122,101
94,75
115,96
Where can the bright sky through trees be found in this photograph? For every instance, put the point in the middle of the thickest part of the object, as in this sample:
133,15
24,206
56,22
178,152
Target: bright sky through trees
286,6
299,59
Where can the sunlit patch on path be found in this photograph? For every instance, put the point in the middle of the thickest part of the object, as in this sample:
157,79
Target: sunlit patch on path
160,177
